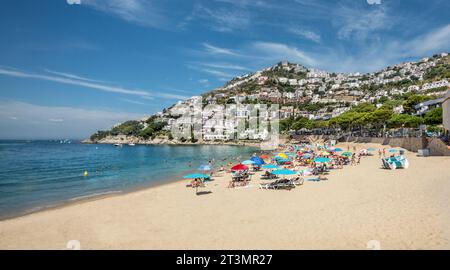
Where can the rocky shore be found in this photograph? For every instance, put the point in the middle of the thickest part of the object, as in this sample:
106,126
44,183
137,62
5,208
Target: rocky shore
123,139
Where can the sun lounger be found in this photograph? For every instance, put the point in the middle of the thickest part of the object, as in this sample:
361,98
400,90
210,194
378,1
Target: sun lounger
279,184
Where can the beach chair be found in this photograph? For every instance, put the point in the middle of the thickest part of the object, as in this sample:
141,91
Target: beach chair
298,181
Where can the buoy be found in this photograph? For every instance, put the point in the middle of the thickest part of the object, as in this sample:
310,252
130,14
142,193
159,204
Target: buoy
86,173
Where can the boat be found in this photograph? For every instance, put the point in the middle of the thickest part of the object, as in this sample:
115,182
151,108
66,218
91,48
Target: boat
118,145
131,144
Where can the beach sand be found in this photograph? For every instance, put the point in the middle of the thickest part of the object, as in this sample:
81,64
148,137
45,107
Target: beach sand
401,209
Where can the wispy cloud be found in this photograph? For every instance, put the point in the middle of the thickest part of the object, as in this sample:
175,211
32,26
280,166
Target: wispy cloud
435,41
211,49
211,71
307,34
86,84
142,12
223,19
71,76
374,2
226,66
359,23
133,101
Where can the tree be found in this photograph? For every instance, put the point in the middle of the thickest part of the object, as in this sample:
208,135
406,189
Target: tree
380,117
434,117
412,101
364,107
404,120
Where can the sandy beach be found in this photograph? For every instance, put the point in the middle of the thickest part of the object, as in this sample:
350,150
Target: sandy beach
401,209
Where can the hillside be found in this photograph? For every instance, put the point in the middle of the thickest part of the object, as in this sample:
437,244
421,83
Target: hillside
315,95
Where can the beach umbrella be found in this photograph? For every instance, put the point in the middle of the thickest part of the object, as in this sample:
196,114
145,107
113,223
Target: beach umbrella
307,155
264,156
393,150
248,162
270,166
282,155
337,150
257,160
204,168
347,154
195,175
284,172
324,153
322,160
239,167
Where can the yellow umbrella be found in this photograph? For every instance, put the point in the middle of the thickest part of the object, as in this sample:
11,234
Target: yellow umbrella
282,155
324,153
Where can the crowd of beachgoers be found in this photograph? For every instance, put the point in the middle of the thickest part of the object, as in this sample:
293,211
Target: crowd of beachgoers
286,168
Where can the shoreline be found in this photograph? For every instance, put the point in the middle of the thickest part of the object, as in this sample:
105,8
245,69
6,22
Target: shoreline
91,198
403,209
105,194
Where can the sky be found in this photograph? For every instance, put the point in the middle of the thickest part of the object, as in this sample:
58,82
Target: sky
71,67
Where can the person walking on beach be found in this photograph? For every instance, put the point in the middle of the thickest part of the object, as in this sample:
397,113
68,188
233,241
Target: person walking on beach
384,152
379,153
353,159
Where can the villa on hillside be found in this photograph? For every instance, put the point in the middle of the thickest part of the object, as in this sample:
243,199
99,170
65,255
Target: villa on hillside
424,107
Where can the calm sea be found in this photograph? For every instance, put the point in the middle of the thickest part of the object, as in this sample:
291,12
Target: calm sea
40,174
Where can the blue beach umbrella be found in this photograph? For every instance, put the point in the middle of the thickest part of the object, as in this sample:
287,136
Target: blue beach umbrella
321,160
248,162
393,150
195,175
257,160
337,150
270,166
284,172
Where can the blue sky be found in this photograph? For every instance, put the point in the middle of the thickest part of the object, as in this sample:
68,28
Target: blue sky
70,67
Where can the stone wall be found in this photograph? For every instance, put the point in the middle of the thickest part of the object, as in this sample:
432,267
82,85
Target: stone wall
436,146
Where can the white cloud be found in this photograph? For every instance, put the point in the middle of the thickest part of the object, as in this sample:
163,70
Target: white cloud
223,19
86,84
74,2
218,50
56,120
211,71
360,24
142,12
204,81
71,76
307,34
436,41
29,121
374,2
223,66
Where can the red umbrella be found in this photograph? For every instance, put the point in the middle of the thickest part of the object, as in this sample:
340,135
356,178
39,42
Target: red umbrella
264,156
239,167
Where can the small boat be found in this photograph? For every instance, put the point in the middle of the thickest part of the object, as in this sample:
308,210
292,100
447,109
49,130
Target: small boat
131,144
118,145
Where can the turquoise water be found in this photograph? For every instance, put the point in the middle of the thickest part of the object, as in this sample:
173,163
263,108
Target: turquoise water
40,174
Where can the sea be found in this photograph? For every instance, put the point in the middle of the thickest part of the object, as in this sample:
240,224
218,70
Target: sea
35,175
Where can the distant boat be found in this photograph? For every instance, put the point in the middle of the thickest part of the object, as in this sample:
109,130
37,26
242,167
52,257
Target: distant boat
118,145
131,144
